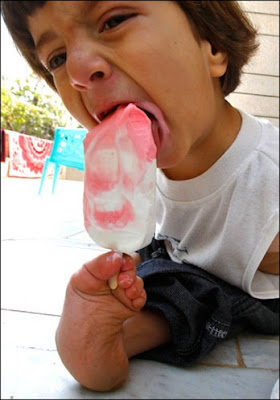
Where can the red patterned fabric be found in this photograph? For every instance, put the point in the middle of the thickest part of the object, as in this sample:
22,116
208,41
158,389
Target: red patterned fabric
3,145
27,154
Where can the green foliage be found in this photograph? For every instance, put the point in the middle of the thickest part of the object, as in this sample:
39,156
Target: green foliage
31,107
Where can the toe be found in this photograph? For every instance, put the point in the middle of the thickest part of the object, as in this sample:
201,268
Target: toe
126,279
94,274
105,266
133,297
135,290
140,301
128,263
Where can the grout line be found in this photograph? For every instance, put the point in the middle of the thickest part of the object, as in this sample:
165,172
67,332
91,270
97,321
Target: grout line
259,74
209,364
273,96
60,241
265,116
268,34
239,354
261,13
36,348
74,234
30,312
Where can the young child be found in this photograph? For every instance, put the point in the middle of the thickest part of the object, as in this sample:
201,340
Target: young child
211,269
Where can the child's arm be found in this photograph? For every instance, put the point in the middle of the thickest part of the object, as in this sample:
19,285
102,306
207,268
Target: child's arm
270,262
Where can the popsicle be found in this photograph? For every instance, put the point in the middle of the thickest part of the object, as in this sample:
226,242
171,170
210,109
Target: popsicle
119,181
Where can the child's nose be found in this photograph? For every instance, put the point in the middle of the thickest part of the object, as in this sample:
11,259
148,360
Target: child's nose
85,69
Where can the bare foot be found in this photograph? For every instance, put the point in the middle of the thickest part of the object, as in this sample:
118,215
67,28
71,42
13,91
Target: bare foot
90,332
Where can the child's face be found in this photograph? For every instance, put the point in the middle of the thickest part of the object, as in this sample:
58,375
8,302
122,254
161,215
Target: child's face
103,53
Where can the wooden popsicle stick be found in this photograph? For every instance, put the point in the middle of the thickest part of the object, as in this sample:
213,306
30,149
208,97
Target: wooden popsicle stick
113,282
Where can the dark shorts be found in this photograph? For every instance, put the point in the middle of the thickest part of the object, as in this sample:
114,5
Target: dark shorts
200,308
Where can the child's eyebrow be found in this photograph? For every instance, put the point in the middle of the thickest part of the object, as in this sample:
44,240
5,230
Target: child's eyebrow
45,38
48,36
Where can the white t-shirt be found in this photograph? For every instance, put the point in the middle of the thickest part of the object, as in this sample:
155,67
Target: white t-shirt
224,220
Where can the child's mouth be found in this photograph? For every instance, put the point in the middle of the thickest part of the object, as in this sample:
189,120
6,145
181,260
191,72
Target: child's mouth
159,126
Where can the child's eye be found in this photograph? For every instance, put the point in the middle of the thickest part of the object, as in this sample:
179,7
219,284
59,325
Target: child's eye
56,61
115,21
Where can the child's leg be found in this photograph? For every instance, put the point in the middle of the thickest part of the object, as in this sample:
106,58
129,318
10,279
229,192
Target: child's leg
93,341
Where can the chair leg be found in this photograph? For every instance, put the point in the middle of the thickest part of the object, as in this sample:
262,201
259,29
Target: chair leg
43,175
55,176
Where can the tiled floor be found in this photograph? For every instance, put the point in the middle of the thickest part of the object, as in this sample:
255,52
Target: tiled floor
43,243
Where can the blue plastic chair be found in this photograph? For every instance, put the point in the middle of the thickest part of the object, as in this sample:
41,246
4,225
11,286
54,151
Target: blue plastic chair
68,150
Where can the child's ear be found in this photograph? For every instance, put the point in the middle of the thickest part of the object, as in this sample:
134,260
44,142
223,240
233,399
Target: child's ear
217,60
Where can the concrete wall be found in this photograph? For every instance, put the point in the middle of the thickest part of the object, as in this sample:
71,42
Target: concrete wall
258,92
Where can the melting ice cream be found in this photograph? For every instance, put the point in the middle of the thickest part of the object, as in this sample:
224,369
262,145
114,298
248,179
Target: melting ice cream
119,182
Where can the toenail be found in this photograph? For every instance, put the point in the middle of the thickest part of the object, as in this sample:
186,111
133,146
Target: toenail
113,257
126,280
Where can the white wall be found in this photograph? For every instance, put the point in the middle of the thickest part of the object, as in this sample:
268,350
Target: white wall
258,92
